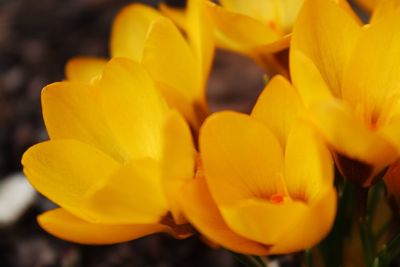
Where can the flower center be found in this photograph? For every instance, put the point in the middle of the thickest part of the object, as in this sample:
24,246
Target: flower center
277,199
272,24
374,121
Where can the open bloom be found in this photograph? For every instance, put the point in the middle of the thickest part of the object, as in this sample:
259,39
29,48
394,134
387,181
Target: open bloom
255,28
116,157
266,185
180,66
348,77
259,29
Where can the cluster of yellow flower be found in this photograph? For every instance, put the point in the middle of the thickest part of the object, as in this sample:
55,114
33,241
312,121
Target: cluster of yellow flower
134,151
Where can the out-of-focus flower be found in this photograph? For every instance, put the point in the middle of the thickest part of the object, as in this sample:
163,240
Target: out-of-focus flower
180,66
266,185
112,160
348,77
251,27
255,28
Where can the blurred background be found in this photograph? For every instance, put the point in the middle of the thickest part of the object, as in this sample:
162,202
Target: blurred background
37,37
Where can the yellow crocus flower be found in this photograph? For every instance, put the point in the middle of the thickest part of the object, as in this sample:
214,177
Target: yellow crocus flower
266,185
116,157
259,29
348,76
180,66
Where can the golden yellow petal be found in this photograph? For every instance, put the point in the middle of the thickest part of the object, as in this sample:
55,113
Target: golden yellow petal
287,227
133,194
307,79
130,29
371,77
178,101
383,9
66,226
278,106
203,213
238,32
72,110
273,47
264,11
348,135
263,221
84,69
312,227
166,45
65,170
241,158
134,108
178,164
200,31
287,13
326,33
177,15
308,163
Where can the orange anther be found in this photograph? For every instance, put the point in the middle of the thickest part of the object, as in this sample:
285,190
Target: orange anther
276,199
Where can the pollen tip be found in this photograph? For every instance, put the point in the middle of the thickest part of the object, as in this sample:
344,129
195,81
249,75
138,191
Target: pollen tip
276,199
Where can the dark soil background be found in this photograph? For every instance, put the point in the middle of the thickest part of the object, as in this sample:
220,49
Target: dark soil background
37,37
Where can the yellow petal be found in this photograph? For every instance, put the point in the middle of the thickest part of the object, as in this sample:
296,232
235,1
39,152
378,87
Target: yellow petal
307,79
66,226
350,136
244,34
307,175
371,76
133,194
203,213
200,31
134,108
273,47
312,227
288,11
73,111
241,157
177,15
130,29
287,227
65,170
264,11
278,106
178,101
178,163
165,45
326,34
263,221
84,69
383,9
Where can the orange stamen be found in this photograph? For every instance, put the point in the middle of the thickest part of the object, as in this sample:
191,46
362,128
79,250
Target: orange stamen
272,24
277,199
374,126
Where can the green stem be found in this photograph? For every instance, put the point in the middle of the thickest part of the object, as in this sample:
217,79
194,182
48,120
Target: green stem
309,258
247,260
389,252
367,238
332,247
